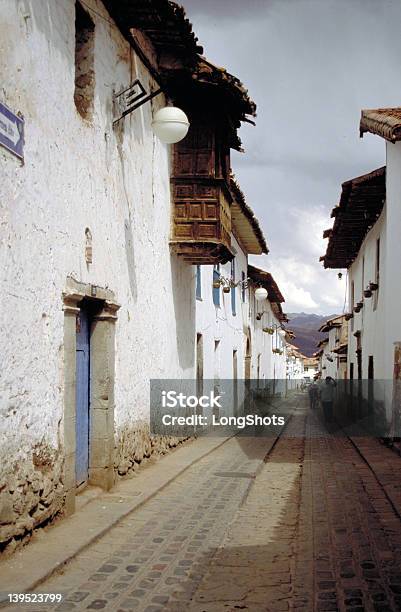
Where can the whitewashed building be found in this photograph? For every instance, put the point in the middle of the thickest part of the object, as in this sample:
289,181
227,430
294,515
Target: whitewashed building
268,335
223,322
386,123
358,243
97,287
321,355
239,337
295,367
311,368
334,348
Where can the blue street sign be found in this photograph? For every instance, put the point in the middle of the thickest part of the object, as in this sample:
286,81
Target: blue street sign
11,131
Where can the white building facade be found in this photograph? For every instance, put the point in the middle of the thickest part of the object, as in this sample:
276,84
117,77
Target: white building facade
222,301
358,242
239,337
311,368
221,318
295,367
94,303
334,348
322,355
267,337
386,123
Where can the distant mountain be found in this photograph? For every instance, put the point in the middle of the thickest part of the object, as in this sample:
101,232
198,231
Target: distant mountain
305,327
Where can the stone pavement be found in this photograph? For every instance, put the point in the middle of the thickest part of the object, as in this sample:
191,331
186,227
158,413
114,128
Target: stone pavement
299,523
254,567
142,561
53,547
317,532
356,533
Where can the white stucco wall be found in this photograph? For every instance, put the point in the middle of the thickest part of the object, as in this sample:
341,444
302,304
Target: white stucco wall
392,288
218,324
295,371
328,361
380,327
222,332
80,174
335,366
311,371
371,320
271,365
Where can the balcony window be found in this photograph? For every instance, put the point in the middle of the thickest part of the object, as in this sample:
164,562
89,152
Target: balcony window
233,289
243,290
84,62
198,283
216,290
377,275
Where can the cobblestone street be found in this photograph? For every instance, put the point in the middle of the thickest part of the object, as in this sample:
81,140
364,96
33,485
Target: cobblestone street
200,297
303,522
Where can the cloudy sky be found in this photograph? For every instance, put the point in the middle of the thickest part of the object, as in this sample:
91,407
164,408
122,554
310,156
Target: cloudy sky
311,66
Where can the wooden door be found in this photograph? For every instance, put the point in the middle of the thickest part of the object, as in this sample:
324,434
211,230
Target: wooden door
82,397
235,382
248,357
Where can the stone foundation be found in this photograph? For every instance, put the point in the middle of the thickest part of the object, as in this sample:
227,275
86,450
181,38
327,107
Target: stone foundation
135,445
31,494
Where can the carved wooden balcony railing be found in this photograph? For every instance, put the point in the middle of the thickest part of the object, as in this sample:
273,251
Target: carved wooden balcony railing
201,217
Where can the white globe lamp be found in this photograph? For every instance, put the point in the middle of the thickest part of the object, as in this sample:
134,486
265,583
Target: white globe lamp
170,124
260,294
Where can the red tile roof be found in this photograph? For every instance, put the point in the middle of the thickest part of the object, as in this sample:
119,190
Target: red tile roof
385,122
267,281
361,203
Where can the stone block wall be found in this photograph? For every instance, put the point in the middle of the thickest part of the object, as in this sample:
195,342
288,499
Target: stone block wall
135,445
30,496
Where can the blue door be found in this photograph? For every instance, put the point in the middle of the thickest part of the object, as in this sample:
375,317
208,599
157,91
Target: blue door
82,398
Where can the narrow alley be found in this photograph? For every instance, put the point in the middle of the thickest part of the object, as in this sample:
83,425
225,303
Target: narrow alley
200,297
305,521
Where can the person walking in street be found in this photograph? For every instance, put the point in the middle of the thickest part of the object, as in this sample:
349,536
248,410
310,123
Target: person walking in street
327,394
313,395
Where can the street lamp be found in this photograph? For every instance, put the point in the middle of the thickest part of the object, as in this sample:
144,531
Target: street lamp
170,124
261,294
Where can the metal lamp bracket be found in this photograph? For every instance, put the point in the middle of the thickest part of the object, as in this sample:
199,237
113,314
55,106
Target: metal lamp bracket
131,98
229,282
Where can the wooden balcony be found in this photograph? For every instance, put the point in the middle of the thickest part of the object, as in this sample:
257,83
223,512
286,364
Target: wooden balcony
201,199
201,231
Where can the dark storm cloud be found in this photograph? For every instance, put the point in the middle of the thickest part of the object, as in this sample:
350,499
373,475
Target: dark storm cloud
311,66
231,9
224,8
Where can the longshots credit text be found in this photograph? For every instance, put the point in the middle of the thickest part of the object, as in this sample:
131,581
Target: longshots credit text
172,399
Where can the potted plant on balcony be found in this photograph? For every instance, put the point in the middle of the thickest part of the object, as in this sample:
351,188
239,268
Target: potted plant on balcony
367,292
373,286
